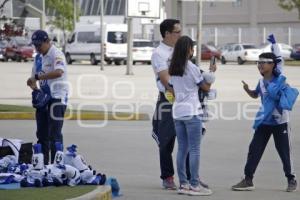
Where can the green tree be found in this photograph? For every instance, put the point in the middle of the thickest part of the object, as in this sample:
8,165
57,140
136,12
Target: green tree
290,5
64,13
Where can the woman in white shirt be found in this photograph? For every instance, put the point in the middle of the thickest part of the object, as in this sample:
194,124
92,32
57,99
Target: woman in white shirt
185,81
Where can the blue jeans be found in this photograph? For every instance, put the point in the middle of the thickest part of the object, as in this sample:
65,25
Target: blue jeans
188,132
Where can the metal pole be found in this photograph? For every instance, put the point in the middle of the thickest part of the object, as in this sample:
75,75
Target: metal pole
289,36
199,32
144,33
64,32
102,37
43,17
216,36
264,34
129,47
240,35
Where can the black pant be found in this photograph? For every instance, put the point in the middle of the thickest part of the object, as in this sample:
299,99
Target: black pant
49,122
259,143
164,134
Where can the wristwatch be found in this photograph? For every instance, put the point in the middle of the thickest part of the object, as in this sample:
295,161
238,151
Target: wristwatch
36,77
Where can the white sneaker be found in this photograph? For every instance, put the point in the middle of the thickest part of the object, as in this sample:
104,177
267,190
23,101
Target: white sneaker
199,191
184,189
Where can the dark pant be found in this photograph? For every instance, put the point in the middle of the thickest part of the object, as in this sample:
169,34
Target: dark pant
259,143
42,133
49,125
164,134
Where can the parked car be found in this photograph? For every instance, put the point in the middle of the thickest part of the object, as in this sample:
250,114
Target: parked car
142,51
240,53
207,51
18,49
225,47
296,52
285,50
3,44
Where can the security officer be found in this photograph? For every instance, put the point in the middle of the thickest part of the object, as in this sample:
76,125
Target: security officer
53,80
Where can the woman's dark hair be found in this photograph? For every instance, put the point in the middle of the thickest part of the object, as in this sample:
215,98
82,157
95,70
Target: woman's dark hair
180,56
167,25
272,56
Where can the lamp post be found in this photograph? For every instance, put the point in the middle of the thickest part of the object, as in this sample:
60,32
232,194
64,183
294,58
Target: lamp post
63,26
74,12
129,47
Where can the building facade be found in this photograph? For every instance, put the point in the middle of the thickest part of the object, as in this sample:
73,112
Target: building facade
239,21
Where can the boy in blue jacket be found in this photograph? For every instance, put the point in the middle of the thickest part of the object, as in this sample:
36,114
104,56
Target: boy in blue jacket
271,119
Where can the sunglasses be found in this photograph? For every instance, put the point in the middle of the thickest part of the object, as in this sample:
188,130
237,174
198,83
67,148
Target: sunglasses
176,31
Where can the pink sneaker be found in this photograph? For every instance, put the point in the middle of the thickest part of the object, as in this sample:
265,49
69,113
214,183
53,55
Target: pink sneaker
199,191
184,189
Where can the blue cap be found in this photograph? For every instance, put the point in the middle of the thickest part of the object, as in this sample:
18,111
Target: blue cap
38,37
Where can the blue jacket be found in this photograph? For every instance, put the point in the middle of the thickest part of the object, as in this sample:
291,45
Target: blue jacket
279,95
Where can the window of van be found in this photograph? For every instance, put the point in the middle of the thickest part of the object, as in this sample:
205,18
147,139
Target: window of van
88,37
117,37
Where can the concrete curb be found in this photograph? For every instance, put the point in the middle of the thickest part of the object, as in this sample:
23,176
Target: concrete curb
80,116
100,193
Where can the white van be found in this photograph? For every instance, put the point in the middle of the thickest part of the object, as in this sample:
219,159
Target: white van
84,44
115,45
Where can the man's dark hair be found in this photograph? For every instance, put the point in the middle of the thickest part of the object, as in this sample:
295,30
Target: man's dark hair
168,25
180,56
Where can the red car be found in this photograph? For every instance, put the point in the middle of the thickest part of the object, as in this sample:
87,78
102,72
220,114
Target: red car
18,49
207,51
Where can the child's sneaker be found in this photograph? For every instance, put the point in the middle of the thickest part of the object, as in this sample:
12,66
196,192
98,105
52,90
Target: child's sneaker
244,185
292,186
184,189
199,191
169,183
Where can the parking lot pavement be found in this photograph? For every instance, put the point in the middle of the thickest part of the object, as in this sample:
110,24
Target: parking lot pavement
111,89
126,151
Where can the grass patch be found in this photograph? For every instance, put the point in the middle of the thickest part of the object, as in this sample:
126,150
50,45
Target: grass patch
14,108
47,193
28,113
292,62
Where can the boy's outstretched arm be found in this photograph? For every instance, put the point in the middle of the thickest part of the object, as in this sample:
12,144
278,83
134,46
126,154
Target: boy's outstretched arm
251,93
